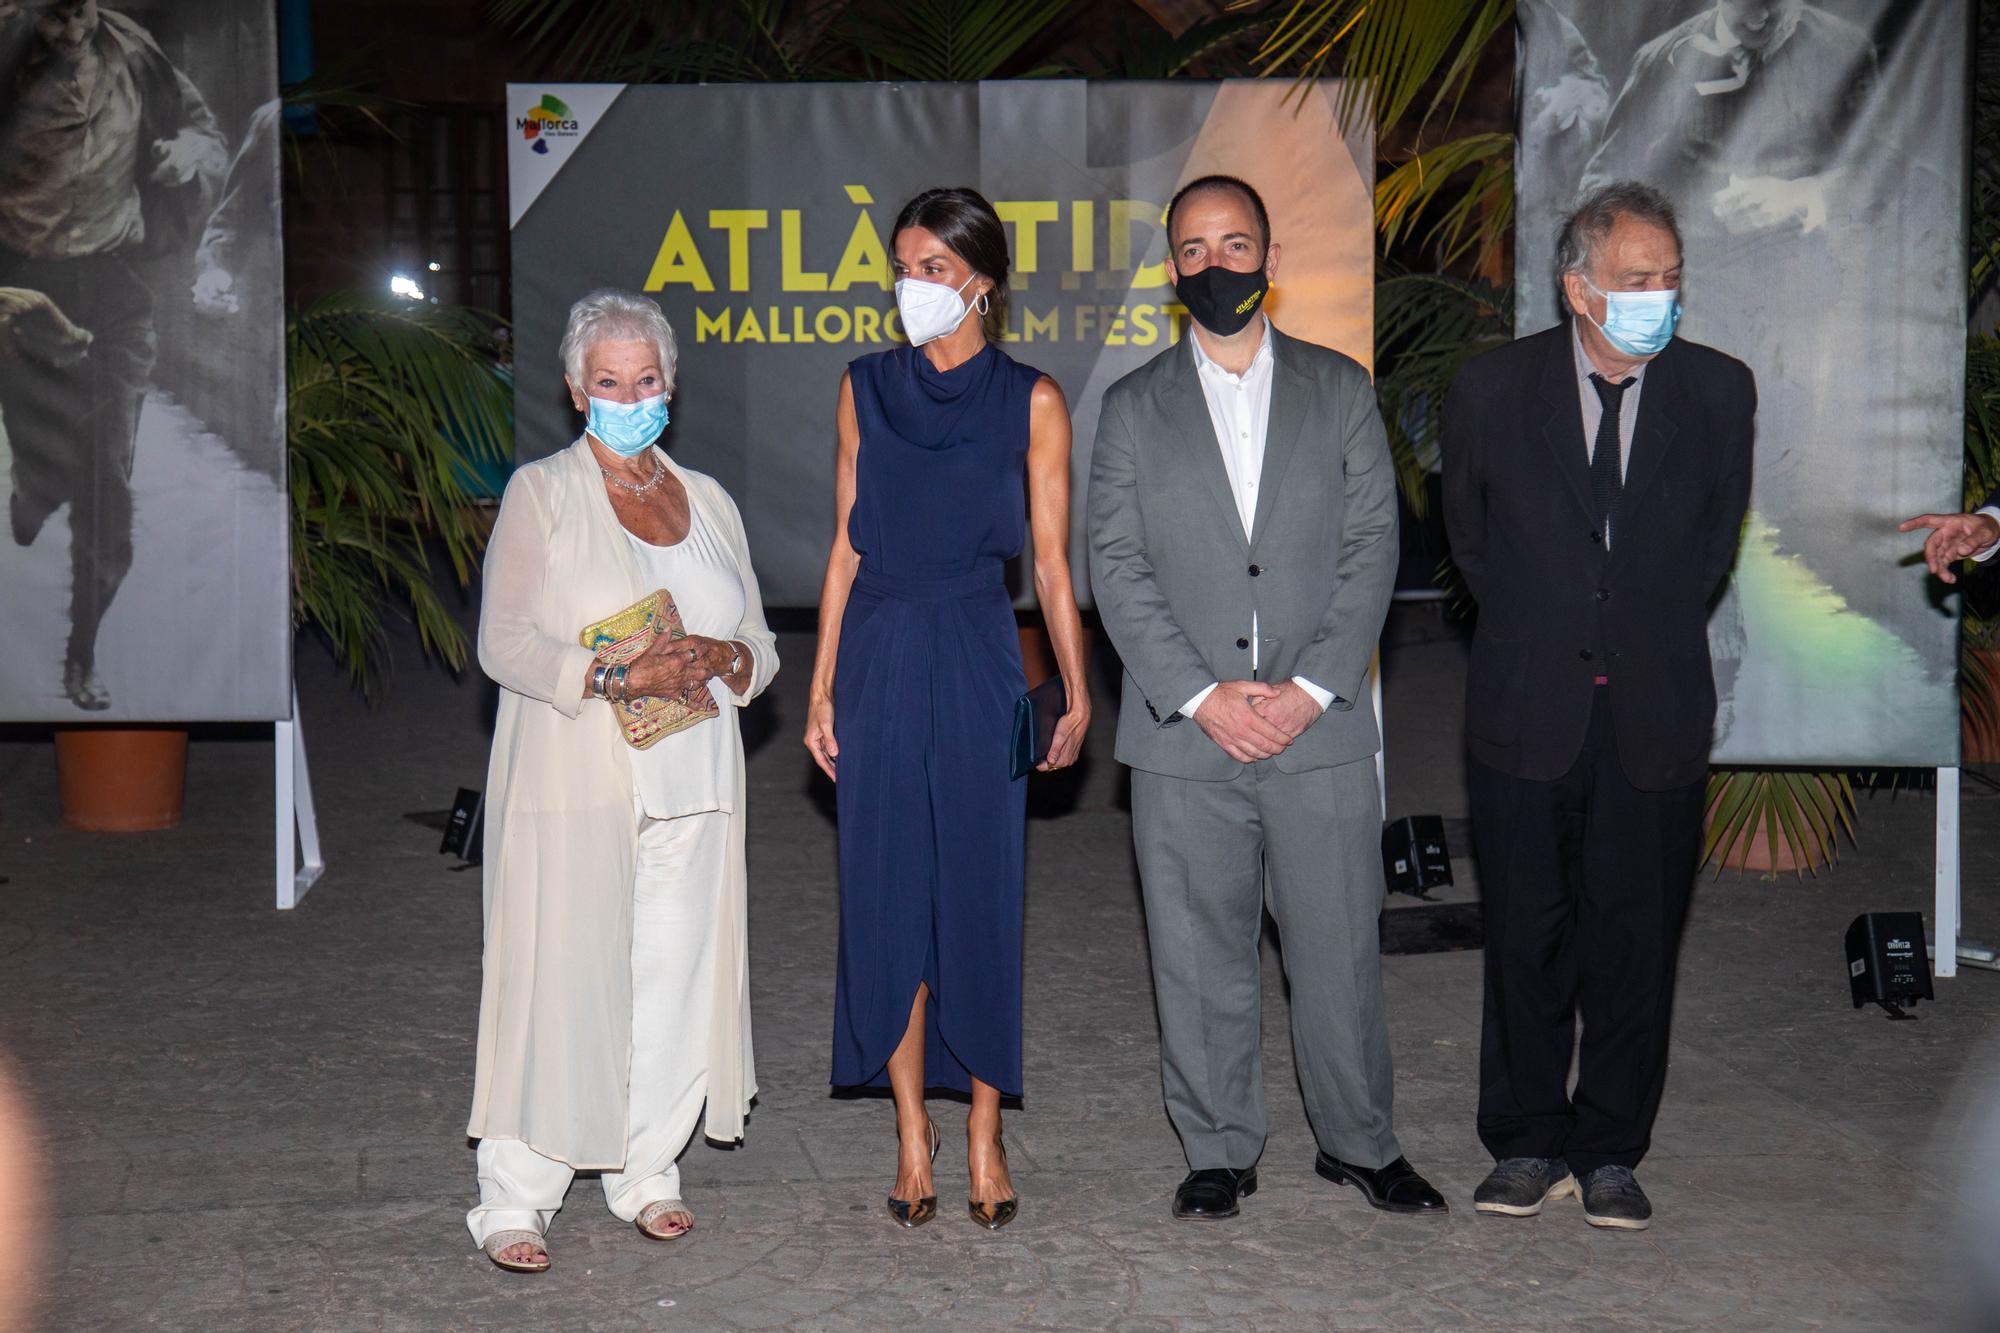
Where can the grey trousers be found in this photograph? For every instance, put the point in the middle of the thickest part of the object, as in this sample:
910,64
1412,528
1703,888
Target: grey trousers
1212,856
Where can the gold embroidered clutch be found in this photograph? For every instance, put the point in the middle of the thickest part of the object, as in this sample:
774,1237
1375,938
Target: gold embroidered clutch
622,638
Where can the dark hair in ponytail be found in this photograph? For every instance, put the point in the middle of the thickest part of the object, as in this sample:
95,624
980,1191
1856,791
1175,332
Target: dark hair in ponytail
970,229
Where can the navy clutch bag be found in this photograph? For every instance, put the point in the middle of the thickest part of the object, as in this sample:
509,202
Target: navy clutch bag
1035,716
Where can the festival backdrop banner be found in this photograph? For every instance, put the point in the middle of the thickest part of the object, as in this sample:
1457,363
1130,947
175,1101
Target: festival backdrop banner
144,573
1815,153
759,217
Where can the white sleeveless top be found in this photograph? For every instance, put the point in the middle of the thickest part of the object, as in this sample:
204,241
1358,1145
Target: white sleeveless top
693,770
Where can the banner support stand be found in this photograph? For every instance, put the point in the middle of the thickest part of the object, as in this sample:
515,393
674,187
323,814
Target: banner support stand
1944,958
295,815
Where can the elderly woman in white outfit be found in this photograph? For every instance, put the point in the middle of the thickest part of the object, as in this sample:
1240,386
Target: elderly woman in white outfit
615,1005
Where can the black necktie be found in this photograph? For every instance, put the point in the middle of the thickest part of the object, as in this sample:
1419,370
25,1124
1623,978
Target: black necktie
1606,474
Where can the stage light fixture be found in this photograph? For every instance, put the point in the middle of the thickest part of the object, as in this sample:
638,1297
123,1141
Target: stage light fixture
464,829
1414,855
1887,963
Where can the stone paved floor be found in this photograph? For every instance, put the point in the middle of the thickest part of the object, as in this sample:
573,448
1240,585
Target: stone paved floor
255,1120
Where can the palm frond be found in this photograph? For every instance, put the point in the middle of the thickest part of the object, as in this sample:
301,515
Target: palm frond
680,41
1978,690
1402,62
1985,180
951,40
1155,53
1391,52
1796,811
582,38
1481,212
390,406
1982,416
1427,326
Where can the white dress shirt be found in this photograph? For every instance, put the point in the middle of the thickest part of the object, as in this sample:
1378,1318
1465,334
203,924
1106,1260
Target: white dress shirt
1987,554
1239,408
1593,407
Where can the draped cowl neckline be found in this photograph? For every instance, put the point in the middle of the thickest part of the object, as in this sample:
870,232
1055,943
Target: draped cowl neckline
923,404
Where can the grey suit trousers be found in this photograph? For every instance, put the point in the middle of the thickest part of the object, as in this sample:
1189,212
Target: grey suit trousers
1212,856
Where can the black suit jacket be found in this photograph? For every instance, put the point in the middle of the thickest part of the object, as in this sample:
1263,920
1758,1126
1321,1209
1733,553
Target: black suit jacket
1555,610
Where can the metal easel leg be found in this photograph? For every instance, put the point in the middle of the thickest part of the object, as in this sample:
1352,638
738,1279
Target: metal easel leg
294,813
1944,958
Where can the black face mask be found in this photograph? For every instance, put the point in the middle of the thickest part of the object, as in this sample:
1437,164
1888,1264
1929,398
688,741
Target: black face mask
1222,300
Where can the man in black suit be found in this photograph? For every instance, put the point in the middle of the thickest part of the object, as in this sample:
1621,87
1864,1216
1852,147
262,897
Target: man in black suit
1596,477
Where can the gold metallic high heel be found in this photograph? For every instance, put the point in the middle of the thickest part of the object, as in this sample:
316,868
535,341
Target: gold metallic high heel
911,1214
993,1216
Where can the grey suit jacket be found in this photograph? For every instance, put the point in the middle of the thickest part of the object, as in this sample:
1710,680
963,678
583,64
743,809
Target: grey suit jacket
1176,583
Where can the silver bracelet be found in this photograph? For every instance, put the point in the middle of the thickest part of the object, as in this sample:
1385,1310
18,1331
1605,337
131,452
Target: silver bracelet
618,674
597,674
735,658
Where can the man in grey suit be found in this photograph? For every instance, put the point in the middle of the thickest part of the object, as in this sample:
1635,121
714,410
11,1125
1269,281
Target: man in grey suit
1242,550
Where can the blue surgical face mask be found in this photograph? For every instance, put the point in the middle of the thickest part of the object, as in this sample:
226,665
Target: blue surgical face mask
627,429
1639,323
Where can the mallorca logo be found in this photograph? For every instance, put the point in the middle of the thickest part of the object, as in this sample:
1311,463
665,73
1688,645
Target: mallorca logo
549,120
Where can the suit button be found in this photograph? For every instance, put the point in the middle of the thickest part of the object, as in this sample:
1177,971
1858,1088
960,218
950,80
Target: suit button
1604,594
1596,537
1255,570
1584,653
1243,643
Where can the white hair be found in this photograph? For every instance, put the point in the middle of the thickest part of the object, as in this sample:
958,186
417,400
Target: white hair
612,315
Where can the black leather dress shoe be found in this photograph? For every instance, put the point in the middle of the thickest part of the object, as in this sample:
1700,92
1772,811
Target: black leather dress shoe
1395,1188
1212,1193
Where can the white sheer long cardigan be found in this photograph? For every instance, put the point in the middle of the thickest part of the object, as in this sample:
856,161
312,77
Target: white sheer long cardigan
555,1011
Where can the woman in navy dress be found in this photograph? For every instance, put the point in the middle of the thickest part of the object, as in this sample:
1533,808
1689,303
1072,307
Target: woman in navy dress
949,451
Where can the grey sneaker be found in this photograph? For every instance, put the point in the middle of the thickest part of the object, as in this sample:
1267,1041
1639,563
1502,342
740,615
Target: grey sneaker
1611,1198
1519,1186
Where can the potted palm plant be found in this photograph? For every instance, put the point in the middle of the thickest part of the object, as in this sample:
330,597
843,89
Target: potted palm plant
392,405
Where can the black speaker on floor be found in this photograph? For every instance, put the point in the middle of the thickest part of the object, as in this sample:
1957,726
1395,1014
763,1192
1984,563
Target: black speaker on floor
1414,855
1887,963
464,830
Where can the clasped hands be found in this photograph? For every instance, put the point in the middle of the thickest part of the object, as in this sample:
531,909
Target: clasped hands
1251,720
675,668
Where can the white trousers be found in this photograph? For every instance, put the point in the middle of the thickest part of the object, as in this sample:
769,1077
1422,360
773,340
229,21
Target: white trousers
676,885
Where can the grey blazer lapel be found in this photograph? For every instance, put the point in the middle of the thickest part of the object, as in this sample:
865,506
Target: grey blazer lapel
1189,423
1291,398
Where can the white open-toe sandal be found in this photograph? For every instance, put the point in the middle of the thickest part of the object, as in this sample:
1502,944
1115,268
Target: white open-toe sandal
500,1241
654,1211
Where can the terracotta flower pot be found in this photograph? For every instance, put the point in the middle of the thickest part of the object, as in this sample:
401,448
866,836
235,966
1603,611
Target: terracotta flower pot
121,779
1755,853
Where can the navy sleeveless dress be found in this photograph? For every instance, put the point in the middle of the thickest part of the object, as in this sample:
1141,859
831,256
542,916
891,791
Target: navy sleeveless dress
931,824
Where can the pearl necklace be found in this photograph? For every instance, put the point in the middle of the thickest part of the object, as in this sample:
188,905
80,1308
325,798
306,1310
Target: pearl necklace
659,474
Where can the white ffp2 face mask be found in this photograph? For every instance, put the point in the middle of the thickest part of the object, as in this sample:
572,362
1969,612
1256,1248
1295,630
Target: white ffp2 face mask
930,309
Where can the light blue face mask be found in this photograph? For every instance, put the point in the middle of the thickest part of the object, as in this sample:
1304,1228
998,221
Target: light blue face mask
627,429
1639,323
